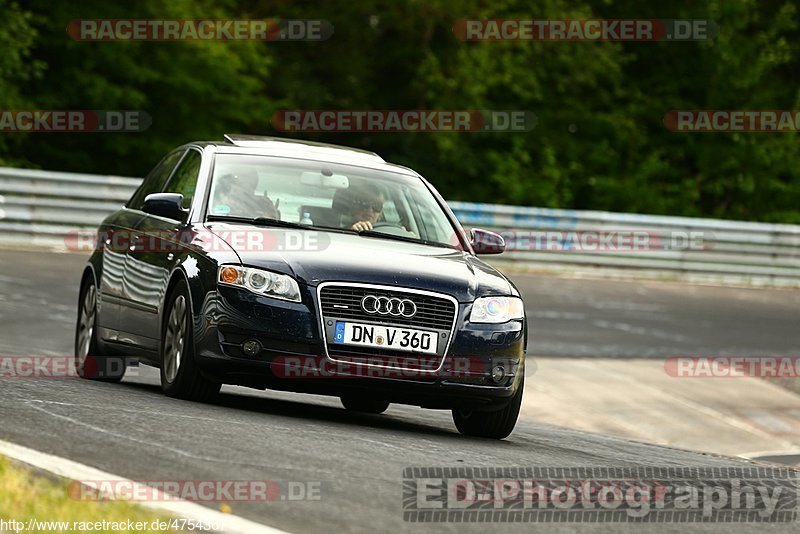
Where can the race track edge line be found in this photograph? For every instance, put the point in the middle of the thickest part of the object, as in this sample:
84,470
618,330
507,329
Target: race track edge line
179,508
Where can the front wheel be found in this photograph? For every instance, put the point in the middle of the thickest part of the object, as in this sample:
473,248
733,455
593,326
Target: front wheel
497,424
180,377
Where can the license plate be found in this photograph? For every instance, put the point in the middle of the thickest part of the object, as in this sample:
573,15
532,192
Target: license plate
385,337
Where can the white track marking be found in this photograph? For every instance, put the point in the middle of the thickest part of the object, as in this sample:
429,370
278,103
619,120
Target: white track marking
183,509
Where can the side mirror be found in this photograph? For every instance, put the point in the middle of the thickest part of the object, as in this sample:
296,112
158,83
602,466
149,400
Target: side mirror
486,242
167,205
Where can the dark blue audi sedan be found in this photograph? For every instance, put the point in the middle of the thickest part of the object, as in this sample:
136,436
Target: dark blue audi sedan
298,266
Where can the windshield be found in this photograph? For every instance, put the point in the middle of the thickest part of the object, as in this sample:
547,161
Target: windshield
327,195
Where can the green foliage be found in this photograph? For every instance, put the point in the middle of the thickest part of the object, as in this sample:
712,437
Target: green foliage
599,142
192,90
16,70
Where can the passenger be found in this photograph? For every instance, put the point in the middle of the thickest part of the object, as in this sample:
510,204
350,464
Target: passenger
236,196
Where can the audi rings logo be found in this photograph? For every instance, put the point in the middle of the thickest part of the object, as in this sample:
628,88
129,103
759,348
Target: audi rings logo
388,306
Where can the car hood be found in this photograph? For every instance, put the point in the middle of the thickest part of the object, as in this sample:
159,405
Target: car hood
339,257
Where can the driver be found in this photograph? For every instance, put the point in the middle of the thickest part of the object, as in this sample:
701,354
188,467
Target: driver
363,208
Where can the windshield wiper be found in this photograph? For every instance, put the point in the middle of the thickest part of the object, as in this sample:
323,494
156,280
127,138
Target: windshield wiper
258,221
266,221
407,239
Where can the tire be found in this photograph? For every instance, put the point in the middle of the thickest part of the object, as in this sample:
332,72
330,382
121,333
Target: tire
89,363
180,377
357,404
497,424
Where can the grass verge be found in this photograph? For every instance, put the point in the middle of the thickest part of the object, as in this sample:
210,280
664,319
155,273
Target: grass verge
26,496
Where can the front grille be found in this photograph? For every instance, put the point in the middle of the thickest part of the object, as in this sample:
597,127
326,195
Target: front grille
344,302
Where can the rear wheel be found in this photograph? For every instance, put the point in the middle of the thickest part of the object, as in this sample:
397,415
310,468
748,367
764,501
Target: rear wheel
180,377
497,424
356,404
89,363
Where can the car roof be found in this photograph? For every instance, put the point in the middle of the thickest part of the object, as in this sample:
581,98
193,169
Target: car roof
301,149
295,145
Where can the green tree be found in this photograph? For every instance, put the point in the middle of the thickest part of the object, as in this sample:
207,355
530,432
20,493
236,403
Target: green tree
191,90
599,142
17,70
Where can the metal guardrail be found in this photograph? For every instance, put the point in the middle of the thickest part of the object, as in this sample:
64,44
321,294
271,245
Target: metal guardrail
731,250
39,207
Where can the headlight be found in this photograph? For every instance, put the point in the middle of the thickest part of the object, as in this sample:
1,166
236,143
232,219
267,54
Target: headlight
279,286
496,310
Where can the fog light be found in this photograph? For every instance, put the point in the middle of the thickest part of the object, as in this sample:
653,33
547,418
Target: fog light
251,347
498,373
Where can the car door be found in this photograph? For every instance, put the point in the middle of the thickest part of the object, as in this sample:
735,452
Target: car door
116,239
150,260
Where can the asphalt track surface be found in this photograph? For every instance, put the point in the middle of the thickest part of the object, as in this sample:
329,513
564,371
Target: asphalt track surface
131,430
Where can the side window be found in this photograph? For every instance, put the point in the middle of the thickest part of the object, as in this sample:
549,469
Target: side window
427,222
432,230
184,181
390,213
155,179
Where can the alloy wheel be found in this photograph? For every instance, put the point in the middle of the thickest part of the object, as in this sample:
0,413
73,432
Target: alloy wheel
175,339
86,326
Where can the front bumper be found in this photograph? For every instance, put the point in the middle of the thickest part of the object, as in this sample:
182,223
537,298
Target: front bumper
293,355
